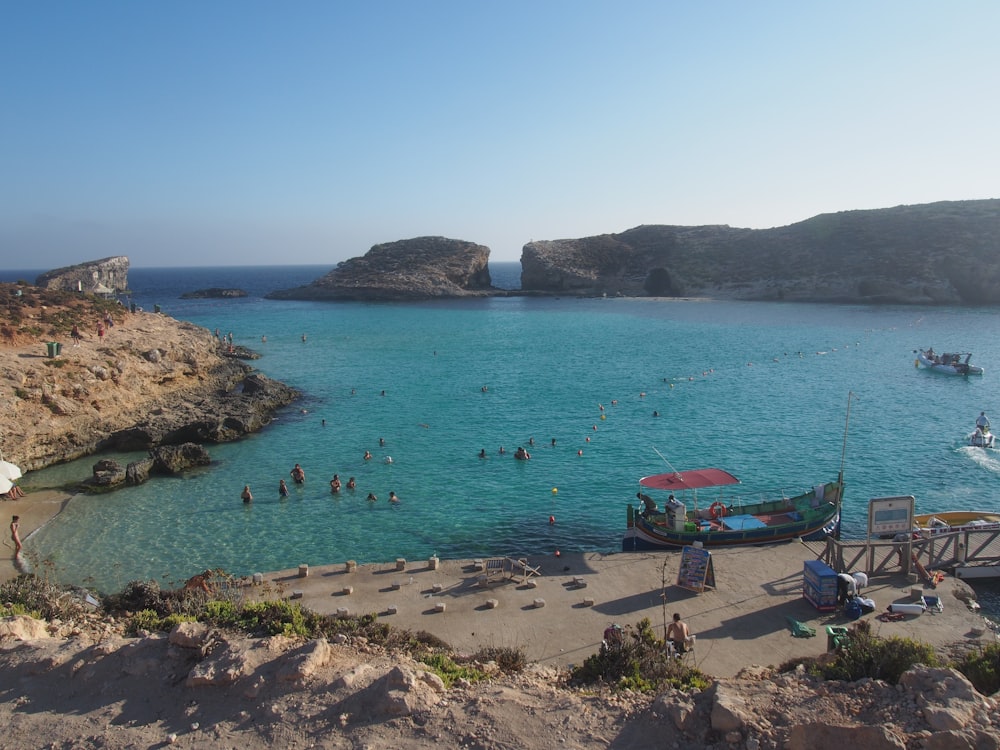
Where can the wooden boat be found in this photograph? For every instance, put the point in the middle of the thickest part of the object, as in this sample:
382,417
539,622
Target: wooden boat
949,364
697,508
955,520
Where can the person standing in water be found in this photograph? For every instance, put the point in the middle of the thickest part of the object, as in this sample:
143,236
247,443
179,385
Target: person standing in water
15,535
246,494
298,474
282,488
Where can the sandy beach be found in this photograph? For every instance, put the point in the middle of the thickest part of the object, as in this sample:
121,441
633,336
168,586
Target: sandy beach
35,510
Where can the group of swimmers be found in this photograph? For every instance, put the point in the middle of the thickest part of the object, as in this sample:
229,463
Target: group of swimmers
298,475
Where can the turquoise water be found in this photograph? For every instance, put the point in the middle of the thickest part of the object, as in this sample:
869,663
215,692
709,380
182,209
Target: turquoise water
756,388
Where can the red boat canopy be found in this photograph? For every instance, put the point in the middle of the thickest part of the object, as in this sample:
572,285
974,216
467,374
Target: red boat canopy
679,481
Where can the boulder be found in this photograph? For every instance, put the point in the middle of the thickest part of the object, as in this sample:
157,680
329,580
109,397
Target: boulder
105,276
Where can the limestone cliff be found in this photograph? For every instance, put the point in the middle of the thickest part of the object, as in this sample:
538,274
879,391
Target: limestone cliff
96,277
938,253
149,380
414,269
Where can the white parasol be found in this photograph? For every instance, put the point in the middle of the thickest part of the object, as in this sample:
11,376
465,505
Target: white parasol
5,485
9,471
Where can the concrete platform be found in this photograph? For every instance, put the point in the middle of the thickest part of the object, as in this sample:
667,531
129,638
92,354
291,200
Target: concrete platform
742,621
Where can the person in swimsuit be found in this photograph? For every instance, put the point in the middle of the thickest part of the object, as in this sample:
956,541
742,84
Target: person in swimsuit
298,475
282,488
351,484
246,494
15,536
335,484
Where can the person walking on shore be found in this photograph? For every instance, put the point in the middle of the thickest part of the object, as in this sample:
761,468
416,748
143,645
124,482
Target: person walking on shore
15,535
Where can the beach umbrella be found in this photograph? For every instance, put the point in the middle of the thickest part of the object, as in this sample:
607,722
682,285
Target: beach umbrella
5,485
9,471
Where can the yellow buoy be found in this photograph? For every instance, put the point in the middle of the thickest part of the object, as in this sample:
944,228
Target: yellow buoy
604,416
555,490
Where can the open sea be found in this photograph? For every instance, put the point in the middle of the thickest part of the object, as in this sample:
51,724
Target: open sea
759,389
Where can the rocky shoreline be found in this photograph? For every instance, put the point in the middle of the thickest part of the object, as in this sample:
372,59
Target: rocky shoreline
145,381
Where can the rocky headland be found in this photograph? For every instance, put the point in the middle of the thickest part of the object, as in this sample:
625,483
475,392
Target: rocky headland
146,381
932,254
416,269
105,276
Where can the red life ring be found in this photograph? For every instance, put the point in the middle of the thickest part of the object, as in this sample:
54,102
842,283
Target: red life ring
717,509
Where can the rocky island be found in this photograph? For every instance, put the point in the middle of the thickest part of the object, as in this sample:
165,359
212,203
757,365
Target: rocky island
215,293
416,269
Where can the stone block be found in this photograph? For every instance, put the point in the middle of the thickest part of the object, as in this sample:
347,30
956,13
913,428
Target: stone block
492,603
434,563
350,566
258,579
392,609
347,590
440,607
588,602
538,603
303,571
437,588
400,563
343,612
297,594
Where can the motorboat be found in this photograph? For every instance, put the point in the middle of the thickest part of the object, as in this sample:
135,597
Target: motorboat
948,364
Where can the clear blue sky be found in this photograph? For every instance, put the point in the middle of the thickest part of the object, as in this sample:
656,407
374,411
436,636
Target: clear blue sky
205,132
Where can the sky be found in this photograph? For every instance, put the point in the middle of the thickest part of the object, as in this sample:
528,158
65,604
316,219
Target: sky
241,132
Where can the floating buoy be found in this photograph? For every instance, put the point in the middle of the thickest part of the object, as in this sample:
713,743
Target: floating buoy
595,428
579,453
588,440
604,416
555,490
671,385
552,519
558,553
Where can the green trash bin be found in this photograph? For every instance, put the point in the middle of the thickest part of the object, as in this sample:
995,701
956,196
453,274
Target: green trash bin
53,348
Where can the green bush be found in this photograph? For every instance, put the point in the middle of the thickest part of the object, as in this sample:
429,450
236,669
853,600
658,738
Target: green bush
144,619
450,672
982,668
867,655
275,618
39,597
640,662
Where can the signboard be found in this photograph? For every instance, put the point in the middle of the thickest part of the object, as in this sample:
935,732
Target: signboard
888,516
696,569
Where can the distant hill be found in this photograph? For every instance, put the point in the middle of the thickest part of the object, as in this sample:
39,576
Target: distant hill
936,253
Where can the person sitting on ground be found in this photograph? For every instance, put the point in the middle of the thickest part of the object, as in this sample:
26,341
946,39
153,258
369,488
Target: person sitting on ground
678,633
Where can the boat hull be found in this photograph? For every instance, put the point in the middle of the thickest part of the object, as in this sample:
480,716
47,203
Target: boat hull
960,368
638,538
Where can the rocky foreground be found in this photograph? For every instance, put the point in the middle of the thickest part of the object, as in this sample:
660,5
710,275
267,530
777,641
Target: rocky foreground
145,380
84,685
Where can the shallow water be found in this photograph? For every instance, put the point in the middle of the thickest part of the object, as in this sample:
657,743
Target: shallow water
759,389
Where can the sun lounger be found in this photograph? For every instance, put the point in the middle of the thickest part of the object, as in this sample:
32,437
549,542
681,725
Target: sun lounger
520,567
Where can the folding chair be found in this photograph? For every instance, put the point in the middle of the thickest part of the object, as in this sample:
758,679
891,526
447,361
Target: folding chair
521,567
494,570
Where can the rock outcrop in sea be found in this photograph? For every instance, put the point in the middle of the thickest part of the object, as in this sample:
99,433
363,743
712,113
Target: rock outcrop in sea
415,269
937,253
105,277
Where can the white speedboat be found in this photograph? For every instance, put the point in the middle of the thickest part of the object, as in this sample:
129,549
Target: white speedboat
949,363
